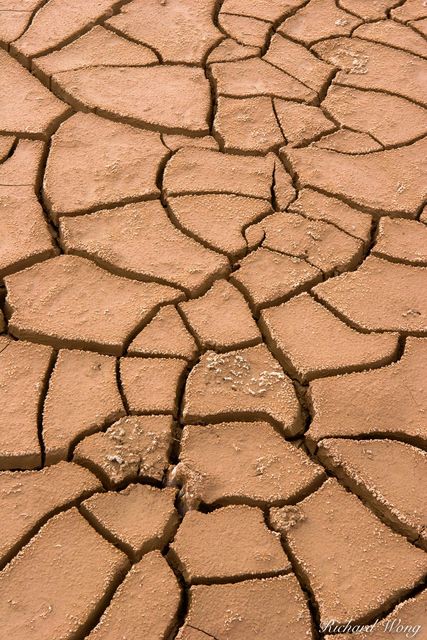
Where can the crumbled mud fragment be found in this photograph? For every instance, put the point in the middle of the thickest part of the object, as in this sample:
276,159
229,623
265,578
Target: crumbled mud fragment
133,447
248,382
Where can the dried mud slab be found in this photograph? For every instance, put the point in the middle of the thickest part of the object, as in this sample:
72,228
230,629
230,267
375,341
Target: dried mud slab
138,519
386,474
392,120
245,30
321,244
391,181
139,241
242,462
318,20
247,124
354,565
268,10
82,398
132,448
256,77
151,385
29,498
93,163
22,167
228,544
57,586
267,277
178,30
388,402
26,107
174,98
253,609
228,50
318,206
299,63
247,383
98,47
410,10
24,235
218,220
145,605
24,369
207,171
310,342
367,9
13,24
369,65
166,335
220,319
70,302
350,142
57,22
393,34
379,296
405,618
301,123
401,241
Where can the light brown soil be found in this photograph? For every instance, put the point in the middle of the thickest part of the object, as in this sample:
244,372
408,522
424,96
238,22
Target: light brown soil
213,319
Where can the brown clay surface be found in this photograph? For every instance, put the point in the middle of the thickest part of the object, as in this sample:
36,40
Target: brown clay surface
213,260
151,385
138,519
336,542
24,369
249,609
47,590
247,382
402,617
220,319
166,335
310,342
29,498
241,462
362,465
389,401
133,447
145,604
228,544
82,397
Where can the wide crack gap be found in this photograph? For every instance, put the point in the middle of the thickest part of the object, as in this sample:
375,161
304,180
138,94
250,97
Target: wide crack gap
42,399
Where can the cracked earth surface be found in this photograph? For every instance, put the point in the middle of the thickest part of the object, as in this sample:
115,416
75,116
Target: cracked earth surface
213,319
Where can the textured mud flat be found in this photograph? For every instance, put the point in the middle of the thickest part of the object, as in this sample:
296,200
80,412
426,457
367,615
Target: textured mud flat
213,319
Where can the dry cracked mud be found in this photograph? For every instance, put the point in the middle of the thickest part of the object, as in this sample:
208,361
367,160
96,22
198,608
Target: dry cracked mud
213,319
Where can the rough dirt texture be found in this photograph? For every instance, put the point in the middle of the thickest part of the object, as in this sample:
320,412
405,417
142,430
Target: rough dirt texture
213,319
